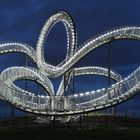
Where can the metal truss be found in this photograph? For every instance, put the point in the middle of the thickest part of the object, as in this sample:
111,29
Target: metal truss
58,103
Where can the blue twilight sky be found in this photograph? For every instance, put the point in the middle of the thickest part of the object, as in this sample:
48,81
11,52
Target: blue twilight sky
22,20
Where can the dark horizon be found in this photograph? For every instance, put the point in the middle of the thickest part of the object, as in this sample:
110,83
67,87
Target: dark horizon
22,22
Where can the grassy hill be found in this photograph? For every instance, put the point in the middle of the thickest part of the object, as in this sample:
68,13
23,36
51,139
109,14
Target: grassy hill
91,128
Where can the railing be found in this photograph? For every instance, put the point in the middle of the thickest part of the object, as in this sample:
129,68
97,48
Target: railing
73,103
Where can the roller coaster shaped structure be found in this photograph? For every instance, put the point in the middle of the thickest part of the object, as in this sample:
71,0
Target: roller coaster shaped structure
58,103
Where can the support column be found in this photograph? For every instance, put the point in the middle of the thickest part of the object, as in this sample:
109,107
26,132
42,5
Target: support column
109,81
113,112
65,84
12,112
73,87
54,118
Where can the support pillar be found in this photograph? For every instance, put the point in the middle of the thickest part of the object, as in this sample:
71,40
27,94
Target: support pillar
113,110
12,112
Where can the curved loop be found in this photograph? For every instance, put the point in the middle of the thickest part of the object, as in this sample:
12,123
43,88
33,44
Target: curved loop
10,75
91,45
97,71
71,38
18,47
87,71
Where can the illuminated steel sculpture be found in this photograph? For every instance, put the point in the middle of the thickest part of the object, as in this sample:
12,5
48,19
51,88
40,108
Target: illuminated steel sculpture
59,103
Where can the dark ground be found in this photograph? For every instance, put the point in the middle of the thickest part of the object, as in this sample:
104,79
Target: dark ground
91,128
96,133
